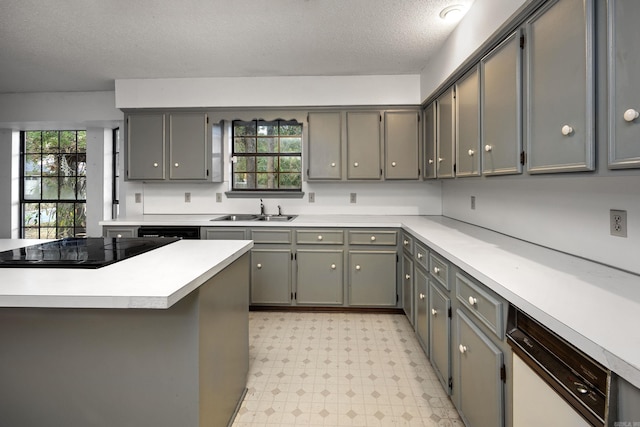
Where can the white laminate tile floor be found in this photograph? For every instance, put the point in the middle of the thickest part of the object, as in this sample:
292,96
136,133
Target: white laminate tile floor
340,369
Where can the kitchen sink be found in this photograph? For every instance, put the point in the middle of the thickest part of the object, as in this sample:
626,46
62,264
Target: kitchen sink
251,217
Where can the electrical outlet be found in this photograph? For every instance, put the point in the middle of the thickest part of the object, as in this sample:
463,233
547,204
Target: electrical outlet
218,197
187,197
473,202
138,197
618,222
312,197
352,198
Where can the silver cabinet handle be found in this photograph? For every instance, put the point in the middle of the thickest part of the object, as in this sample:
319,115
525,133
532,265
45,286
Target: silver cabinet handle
258,266
393,164
422,296
320,237
406,276
434,311
430,161
405,242
436,270
333,266
155,165
567,130
373,238
176,165
440,159
355,164
630,115
462,348
488,148
333,165
420,255
471,152
119,235
358,267
473,301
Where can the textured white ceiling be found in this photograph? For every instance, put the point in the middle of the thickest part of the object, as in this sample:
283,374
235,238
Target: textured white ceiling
83,45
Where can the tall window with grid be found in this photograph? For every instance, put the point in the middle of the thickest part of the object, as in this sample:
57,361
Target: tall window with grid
53,184
267,155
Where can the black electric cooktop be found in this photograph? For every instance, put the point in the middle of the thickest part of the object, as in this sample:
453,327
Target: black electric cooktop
91,252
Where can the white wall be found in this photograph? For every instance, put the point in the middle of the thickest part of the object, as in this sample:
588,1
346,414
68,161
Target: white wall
99,176
268,91
9,183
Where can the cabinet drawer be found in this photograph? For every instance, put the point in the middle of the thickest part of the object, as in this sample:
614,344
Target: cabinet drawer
120,232
217,233
480,302
407,243
271,236
378,238
320,237
421,255
439,270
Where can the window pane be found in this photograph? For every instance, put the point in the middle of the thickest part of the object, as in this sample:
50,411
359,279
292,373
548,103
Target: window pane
290,145
82,141
289,180
50,164
48,215
267,145
65,232
290,164
65,214
290,128
81,188
244,181
68,164
244,145
267,128
266,164
32,188
32,164
68,188
266,180
31,214
50,141
68,141
81,216
245,164
48,233
50,188
241,128
33,142
31,233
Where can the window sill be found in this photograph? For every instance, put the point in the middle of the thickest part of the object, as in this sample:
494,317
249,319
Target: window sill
264,194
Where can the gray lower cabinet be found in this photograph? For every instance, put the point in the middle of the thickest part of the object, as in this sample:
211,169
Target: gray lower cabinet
440,334
479,388
421,307
501,88
363,145
408,287
120,232
624,91
319,278
468,124
430,164
372,278
402,142
324,146
271,276
560,88
445,131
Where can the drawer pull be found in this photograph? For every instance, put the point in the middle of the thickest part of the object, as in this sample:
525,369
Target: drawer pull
358,267
320,237
462,348
430,161
630,115
473,301
436,270
440,159
434,311
176,165
405,242
420,256
258,266
333,165
567,130
422,296
471,152
333,266
373,238
488,148
355,164
407,276
155,165
393,164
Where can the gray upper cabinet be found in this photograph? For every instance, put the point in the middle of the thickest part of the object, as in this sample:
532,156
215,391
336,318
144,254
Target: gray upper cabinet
363,145
168,141
430,165
445,131
501,88
624,90
325,146
560,90
145,146
468,124
402,142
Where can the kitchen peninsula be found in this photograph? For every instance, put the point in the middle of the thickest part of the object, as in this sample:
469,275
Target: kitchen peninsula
157,339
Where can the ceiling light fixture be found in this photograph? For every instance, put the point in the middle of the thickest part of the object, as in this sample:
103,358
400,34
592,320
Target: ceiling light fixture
452,13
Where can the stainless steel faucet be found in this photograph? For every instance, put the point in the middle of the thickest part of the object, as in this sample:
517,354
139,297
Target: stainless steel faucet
261,208
279,210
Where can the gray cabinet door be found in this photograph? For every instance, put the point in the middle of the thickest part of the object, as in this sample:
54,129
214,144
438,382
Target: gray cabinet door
270,276
188,146
219,233
319,277
445,131
560,107
402,142
468,124
440,334
372,278
624,91
421,283
479,389
501,88
325,145
145,146
363,145
407,287
430,163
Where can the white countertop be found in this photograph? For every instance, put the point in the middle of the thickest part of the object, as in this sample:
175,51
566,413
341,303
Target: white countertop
593,306
156,279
